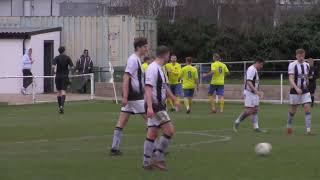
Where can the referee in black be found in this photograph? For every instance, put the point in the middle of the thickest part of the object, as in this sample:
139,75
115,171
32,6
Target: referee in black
313,76
61,66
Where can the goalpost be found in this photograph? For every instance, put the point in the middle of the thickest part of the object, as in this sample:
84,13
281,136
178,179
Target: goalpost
111,69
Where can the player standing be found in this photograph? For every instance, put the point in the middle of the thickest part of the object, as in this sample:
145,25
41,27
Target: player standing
251,96
218,71
173,70
313,76
299,93
61,66
132,92
156,91
189,76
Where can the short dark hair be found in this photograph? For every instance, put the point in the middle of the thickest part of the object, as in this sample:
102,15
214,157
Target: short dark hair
259,61
139,42
173,55
61,49
147,58
189,59
162,50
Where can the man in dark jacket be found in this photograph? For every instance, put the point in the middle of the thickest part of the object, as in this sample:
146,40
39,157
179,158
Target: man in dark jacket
313,76
84,66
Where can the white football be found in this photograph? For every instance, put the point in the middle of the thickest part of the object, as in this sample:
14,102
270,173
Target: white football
263,149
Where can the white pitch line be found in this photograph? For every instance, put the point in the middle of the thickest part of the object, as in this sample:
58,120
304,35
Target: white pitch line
109,135
220,138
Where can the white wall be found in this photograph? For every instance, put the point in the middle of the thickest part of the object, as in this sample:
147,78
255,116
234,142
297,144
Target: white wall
5,8
11,61
11,65
17,7
37,45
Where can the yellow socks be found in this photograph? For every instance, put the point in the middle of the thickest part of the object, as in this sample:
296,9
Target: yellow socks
213,103
170,103
190,102
186,103
221,104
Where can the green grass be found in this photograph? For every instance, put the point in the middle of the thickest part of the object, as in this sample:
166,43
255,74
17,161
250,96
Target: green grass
38,144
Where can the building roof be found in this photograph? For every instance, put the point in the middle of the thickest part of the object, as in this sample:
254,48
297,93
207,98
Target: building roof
24,33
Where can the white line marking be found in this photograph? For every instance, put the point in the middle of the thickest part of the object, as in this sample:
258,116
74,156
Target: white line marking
195,132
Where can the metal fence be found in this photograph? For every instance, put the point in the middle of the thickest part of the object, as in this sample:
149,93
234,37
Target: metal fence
270,74
274,77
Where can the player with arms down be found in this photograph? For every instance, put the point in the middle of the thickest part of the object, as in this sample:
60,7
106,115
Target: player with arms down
189,76
61,66
132,92
156,92
299,93
173,70
252,95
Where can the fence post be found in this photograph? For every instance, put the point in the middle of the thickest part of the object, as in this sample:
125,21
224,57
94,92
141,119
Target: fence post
244,70
92,86
200,73
281,88
112,81
33,90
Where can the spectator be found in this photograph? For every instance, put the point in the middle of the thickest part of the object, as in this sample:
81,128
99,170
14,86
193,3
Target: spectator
84,65
26,70
313,76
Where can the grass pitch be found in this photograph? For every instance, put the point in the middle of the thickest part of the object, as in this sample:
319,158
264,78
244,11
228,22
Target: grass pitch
36,143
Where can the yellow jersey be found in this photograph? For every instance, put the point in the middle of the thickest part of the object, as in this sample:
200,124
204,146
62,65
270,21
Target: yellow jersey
145,67
189,76
219,70
173,72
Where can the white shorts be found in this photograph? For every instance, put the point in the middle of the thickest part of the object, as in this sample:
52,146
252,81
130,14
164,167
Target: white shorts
134,107
159,119
251,100
296,99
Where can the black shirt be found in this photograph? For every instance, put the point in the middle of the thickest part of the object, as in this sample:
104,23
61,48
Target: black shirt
313,73
62,62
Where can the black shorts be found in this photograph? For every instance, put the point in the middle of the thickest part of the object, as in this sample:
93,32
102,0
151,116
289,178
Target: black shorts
62,83
312,87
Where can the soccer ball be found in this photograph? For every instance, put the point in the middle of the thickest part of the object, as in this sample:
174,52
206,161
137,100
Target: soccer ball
263,149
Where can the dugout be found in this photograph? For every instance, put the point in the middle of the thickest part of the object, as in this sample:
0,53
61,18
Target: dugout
13,42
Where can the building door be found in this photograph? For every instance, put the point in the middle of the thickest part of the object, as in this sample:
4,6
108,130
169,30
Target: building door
48,57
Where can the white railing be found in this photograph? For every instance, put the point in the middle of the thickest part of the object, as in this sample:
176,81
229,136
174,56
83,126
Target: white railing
34,78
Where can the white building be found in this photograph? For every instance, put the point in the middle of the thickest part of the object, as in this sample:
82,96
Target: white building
13,42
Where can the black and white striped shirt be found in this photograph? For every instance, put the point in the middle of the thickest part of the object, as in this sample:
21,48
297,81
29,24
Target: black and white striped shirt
155,77
300,72
253,76
136,81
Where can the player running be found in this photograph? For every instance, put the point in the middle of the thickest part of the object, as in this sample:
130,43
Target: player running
132,92
61,66
156,91
189,76
146,62
173,70
252,94
218,71
313,76
299,93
